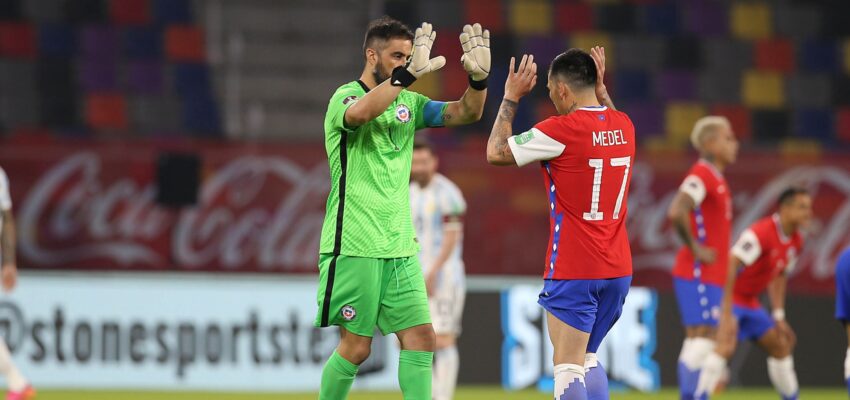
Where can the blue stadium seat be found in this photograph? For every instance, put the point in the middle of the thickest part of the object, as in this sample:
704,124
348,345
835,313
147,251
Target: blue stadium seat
172,12
818,55
632,85
56,40
661,19
191,79
815,124
200,114
142,43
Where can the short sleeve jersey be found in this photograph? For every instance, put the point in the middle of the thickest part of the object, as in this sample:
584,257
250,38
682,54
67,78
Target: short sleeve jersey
765,252
711,224
368,208
586,158
437,207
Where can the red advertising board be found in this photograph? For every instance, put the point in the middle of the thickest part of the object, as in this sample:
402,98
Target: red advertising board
91,205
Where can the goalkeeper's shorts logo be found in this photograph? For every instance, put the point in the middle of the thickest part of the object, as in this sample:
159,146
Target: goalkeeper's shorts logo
402,113
348,312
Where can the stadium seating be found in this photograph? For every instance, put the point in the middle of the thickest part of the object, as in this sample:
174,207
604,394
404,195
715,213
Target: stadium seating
90,66
779,70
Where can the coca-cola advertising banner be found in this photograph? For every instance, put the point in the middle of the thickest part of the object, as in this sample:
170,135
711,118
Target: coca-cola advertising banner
91,205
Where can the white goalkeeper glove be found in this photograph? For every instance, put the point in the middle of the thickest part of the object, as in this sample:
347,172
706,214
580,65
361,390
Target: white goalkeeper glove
476,53
420,62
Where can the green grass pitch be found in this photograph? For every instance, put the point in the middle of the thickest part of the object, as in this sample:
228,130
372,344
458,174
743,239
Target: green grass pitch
466,393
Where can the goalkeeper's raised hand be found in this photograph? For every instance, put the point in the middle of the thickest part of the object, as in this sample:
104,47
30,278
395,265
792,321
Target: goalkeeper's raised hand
420,62
476,54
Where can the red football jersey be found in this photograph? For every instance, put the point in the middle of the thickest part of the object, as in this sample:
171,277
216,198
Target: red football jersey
711,224
766,252
586,158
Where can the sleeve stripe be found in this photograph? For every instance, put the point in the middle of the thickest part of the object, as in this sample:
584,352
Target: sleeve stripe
534,145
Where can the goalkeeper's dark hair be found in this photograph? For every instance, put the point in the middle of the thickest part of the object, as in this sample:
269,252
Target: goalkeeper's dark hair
385,28
788,195
575,67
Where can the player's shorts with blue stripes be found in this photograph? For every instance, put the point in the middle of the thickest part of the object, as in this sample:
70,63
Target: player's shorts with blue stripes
753,323
589,305
699,303
842,287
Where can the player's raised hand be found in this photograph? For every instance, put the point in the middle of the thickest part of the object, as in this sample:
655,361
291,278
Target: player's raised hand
521,81
598,55
476,51
421,62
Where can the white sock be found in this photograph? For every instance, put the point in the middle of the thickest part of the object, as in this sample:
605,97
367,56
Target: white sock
16,381
694,351
565,375
782,375
446,366
712,372
847,365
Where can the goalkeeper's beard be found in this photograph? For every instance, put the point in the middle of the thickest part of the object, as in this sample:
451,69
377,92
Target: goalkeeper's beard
379,74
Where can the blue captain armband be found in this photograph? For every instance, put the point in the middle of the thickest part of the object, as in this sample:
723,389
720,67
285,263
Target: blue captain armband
433,113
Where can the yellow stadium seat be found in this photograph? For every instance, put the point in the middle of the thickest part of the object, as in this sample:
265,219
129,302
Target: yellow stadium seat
429,85
586,40
751,20
763,89
800,148
531,17
680,118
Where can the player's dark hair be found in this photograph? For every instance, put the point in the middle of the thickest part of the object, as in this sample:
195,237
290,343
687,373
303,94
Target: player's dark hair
575,67
420,142
385,28
789,194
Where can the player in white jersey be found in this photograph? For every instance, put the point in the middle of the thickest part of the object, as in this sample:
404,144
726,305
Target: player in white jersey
19,387
438,207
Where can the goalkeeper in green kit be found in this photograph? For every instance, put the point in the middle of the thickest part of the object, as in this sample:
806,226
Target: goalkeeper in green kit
369,274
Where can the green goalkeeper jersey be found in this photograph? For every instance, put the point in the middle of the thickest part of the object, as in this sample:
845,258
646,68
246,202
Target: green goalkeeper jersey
368,209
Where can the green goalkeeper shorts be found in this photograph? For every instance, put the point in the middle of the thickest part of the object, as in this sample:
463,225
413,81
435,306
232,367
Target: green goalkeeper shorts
360,293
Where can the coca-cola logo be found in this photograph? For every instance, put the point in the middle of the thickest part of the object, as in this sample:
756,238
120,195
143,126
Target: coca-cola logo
256,212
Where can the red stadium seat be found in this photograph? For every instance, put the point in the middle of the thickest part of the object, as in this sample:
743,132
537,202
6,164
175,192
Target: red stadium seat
184,43
775,55
488,13
740,118
17,39
106,111
130,12
573,17
842,124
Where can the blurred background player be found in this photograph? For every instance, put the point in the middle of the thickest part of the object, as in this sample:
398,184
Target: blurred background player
701,213
438,208
587,275
842,304
368,272
762,258
19,387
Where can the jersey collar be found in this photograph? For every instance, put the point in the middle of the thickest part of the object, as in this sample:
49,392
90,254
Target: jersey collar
363,85
778,224
712,168
594,108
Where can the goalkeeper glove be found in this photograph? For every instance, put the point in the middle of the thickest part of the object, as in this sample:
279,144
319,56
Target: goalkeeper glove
476,55
420,62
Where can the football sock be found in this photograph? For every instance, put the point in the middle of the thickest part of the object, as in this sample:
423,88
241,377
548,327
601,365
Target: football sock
569,382
693,354
595,379
337,377
713,369
16,381
783,377
414,374
446,364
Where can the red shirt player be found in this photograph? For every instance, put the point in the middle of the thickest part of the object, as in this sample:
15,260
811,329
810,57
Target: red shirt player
585,155
701,213
763,256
